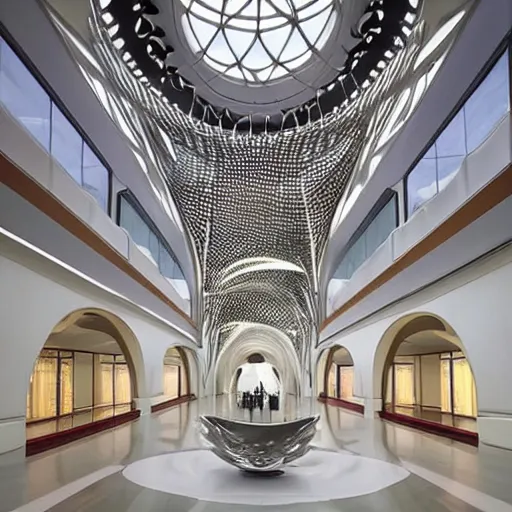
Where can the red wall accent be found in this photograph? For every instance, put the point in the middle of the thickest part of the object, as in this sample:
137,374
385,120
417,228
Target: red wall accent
345,404
44,443
457,434
171,403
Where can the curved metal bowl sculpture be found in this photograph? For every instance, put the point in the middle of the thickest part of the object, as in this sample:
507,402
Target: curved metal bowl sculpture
258,447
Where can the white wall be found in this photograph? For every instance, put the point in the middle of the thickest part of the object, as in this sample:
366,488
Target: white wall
36,293
475,303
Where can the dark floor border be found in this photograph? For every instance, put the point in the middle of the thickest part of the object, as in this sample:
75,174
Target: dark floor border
45,443
456,434
171,403
345,404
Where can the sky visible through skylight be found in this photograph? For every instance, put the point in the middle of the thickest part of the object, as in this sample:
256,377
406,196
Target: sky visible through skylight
257,41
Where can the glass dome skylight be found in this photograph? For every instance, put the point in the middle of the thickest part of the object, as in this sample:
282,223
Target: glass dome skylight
257,41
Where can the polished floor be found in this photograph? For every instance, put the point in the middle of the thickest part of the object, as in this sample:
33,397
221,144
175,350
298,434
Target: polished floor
46,427
450,420
88,475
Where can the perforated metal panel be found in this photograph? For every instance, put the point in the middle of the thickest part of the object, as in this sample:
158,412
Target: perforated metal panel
257,207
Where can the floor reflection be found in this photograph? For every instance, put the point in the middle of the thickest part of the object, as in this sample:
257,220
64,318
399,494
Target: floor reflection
485,470
53,425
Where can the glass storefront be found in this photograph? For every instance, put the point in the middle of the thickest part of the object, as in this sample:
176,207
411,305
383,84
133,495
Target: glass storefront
438,382
65,382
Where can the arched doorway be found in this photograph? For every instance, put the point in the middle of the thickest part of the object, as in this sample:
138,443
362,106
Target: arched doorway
176,374
86,373
426,378
338,375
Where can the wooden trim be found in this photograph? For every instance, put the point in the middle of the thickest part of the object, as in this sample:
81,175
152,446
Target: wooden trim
456,434
26,187
499,189
173,402
45,443
340,402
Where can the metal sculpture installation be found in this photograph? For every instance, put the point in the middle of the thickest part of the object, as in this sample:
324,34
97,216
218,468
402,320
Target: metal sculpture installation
258,447
256,193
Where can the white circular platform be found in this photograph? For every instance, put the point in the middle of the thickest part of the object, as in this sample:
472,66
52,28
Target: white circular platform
318,476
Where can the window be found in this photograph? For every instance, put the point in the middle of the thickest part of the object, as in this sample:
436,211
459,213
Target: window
151,243
23,97
66,145
29,103
470,127
373,236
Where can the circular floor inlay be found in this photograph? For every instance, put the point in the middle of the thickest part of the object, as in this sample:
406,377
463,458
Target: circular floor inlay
318,476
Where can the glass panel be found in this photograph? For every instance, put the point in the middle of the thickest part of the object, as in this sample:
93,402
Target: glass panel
381,227
464,392
389,385
167,264
130,220
123,393
171,381
446,392
83,380
42,395
95,177
404,385
153,247
331,382
66,145
421,184
103,382
488,104
23,97
66,386
106,358
346,382
49,353
452,141
184,380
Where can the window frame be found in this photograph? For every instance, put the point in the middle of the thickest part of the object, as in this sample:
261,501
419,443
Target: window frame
55,100
130,198
503,47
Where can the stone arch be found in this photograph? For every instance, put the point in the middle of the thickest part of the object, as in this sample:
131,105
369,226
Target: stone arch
402,329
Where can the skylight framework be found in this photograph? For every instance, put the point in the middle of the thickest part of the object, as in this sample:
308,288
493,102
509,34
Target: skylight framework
258,41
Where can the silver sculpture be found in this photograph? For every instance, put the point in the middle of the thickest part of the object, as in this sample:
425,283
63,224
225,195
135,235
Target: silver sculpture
258,447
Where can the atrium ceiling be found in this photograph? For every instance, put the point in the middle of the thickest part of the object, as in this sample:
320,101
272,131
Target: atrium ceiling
256,181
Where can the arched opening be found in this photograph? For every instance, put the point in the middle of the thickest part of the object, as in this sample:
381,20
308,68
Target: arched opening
176,374
427,380
335,376
258,343
339,374
85,374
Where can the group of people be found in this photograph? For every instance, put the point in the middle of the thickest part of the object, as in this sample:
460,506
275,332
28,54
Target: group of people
258,399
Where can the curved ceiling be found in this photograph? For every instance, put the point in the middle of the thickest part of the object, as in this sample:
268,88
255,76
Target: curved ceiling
257,65
258,207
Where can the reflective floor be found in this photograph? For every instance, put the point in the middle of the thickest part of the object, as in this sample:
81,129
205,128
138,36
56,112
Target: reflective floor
51,426
87,475
450,420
